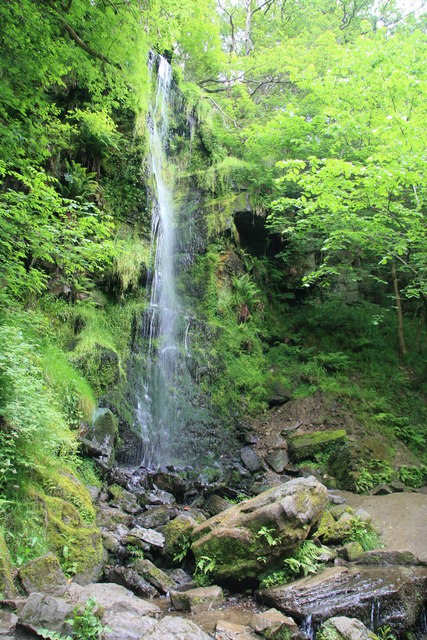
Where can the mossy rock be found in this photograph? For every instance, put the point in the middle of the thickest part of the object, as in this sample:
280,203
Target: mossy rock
124,500
7,588
326,523
255,535
177,535
43,575
307,445
63,484
333,531
78,546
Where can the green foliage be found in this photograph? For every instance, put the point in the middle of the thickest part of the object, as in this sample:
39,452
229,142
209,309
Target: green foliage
385,633
25,533
205,566
365,534
183,552
89,472
86,624
33,428
370,473
267,534
304,562
413,476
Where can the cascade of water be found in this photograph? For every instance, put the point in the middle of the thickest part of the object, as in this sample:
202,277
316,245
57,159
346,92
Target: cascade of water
156,406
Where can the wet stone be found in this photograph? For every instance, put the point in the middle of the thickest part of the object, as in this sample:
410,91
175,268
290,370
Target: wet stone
271,622
131,579
156,517
230,631
155,576
8,622
197,600
145,538
250,459
277,460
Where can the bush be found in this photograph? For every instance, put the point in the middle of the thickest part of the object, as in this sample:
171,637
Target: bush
33,428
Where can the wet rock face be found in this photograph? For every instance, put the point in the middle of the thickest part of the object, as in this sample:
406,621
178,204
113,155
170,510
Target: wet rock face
239,540
102,434
378,596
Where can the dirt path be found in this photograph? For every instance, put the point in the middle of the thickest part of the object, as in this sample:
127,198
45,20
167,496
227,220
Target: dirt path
401,518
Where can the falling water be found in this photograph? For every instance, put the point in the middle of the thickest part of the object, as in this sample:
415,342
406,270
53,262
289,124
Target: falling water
156,412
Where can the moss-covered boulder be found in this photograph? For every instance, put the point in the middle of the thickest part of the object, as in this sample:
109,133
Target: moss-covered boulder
339,530
124,500
257,534
306,445
177,535
43,575
77,545
64,484
101,436
7,589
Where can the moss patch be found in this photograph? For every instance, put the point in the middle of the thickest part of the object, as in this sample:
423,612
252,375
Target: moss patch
78,546
7,589
307,445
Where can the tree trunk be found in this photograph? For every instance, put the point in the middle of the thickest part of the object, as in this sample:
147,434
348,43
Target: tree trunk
402,345
248,27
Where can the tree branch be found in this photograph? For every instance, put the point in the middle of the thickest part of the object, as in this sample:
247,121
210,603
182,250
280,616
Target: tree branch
76,38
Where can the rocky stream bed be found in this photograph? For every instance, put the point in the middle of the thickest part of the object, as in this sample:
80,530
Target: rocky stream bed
183,557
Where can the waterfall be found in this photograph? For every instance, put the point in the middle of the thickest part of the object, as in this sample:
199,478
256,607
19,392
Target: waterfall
157,402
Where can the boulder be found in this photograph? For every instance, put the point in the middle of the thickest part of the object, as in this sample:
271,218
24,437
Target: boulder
197,600
158,497
306,445
230,631
64,526
238,540
112,597
180,576
8,622
379,596
177,534
156,516
46,612
110,517
131,579
155,576
272,623
343,628
277,460
386,557
145,538
124,500
279,394
43,575
333,531
215,504
112,541
351,551
171,628
126,625
7,588
102,433
250,459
